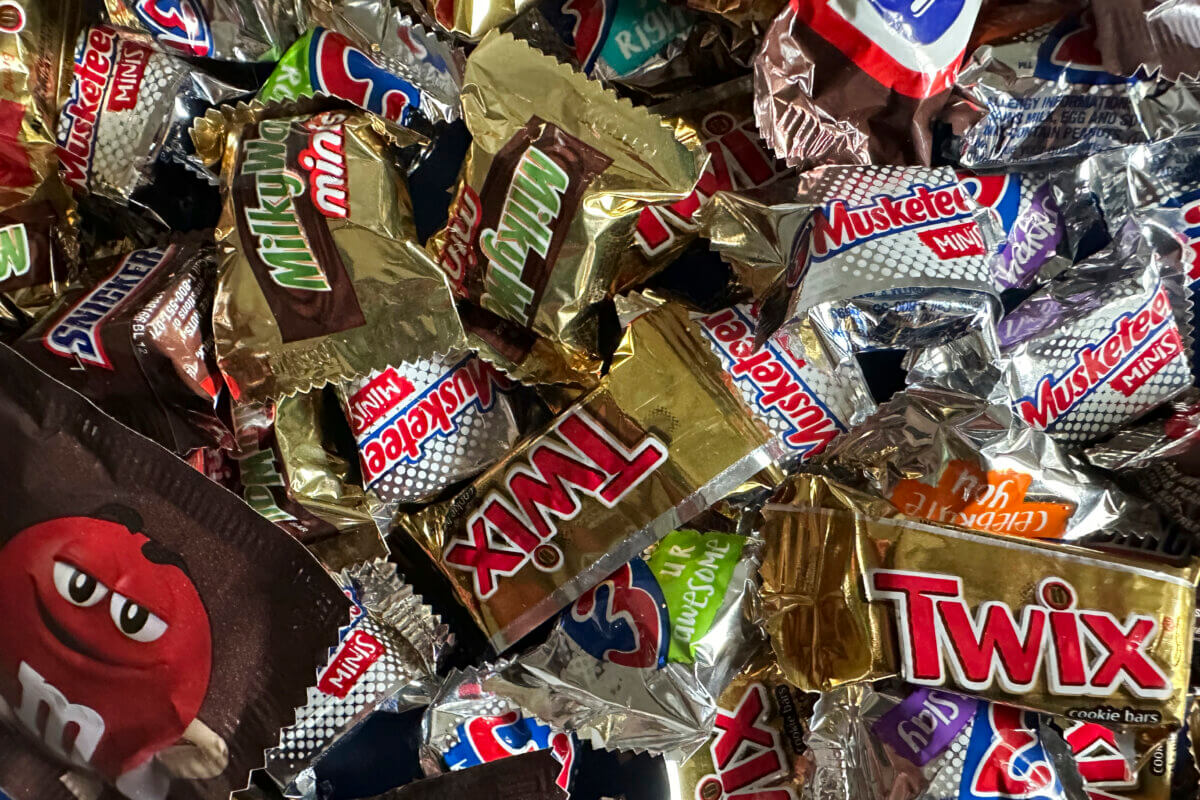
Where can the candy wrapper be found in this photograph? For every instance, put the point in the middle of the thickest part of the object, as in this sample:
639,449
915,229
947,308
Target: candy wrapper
133,335
37,250
390,646
1043,96
530,776
948,456
322,277
548,200
1159,36
288,470
130,106
757,745
638,661
468,19
1104,343
1100,638
230,30
854,83
160,631
891,257
467,724
661,438
425,426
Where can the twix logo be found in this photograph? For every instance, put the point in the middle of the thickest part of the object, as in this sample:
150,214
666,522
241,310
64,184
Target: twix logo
325,162
840,226
738,160
746,753
517,522
1078,652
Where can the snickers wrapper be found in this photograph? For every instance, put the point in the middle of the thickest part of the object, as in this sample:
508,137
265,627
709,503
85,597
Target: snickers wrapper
547,206
322,278
660,439
850,595
159,632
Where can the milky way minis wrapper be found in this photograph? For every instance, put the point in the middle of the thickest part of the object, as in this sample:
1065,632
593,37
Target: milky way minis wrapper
134,336
229,30
661,438
1059,629
844,82
322,277
159,632
948,456
288,470
548,200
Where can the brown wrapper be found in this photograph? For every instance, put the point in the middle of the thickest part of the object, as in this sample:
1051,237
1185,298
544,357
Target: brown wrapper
1160,36
322,278
290,473
548,201
1057,629
38,253
741,12
158,633
659,440
134,336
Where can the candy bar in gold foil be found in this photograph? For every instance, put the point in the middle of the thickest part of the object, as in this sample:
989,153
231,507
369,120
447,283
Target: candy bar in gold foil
468,19
660,439
1051,627
322,277
547,204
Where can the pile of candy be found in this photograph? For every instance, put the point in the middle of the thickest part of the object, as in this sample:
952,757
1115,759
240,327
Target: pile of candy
643,399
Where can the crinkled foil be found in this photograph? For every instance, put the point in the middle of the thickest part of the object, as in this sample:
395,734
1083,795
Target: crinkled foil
634,697
229,30
471,19
951,457
424,426
1155,36
390,648
324,283
740,11
545,138
1104,343
289,472
852,593
659,440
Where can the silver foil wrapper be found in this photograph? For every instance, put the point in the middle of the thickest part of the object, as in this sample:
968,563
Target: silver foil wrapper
606,671
951,457
1104,343
229,30
389,650
424,426
1047,98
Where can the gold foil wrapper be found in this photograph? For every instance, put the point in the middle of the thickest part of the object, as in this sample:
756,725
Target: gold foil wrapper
660,439
471,19
852,592
322,278
548,201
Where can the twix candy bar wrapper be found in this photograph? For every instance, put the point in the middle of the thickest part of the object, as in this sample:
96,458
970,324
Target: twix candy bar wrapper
548,203
158,633
660,439
1050,627
322,277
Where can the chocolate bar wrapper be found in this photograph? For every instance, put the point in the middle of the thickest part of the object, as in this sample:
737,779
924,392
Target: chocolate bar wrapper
530,776
756,747
212,618
738,164
839,82
950,457
1154,37
901,595
38,255
1023,205
228,30
288,470
322,278
659,440
646,678
547,204
468,724
390,648
133,335
740,12
130,105
424,426
1103,344
1042,97
392,86
891,257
